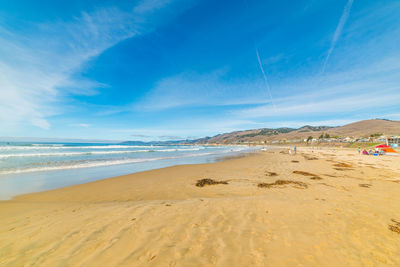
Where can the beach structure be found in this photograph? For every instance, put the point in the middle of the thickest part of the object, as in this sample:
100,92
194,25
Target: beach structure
348,139
393,141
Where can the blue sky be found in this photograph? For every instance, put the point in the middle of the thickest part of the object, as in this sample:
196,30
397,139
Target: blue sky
171,69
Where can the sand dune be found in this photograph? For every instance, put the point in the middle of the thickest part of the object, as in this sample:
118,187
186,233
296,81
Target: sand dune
161,218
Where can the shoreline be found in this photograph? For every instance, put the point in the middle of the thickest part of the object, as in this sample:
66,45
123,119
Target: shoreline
333,206
135,175
28,182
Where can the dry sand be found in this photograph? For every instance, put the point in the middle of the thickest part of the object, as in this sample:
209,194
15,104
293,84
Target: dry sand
338,209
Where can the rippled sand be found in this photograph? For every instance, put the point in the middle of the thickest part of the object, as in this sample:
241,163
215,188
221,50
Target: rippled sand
331,207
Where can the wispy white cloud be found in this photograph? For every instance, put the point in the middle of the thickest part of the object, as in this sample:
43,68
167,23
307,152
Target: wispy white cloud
318,105
360,90
151,5
391,116
348,90
362,87
84,125
338,32
38,65
41,63
210,89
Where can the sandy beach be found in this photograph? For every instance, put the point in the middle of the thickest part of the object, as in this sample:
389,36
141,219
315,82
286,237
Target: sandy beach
321,207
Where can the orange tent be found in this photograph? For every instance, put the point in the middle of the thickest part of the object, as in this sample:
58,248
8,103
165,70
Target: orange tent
390,151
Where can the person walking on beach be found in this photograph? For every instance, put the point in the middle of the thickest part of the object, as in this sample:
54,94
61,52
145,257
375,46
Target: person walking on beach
359,150
295,150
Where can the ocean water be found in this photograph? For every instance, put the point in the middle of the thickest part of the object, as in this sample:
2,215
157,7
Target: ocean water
27,167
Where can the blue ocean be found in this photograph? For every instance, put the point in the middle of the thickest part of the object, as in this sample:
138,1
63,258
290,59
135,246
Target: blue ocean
27,167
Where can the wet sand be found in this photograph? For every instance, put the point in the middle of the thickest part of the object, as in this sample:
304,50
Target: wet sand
329,207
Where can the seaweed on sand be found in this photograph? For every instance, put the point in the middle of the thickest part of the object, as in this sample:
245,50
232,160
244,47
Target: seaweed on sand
342,165
207,181
395,227
296,184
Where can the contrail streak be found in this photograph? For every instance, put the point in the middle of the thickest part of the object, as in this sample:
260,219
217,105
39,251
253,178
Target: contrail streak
338,32
265,79
261,66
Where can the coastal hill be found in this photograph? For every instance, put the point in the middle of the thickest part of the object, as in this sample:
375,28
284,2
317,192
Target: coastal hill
360,129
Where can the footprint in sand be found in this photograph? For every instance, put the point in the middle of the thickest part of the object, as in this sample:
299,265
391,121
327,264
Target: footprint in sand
314,176
310,158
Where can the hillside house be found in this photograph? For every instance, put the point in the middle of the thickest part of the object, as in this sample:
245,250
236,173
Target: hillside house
393,140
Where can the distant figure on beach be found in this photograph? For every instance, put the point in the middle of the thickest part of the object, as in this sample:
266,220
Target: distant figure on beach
295,150
359,150
290,152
